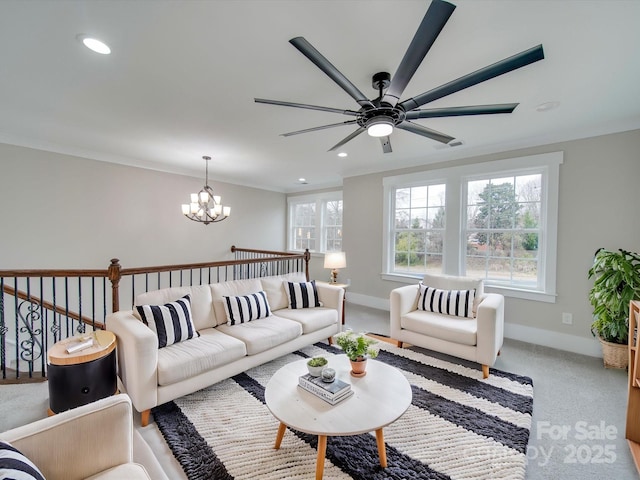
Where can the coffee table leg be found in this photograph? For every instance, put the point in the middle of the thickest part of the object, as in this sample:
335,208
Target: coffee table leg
281,430
322,450
382,451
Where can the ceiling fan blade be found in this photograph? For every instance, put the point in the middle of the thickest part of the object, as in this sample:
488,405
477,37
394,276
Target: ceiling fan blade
323,127
329,69
503,66
432,24
386,144
304,105
346,139
462,111
424,131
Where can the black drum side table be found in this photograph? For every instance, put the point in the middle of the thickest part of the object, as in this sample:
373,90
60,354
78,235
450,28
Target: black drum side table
82,377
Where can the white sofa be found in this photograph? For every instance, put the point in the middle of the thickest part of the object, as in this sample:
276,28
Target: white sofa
153,376
478,339
94,441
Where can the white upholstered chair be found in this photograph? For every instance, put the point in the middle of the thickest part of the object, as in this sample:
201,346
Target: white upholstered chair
477,338
95,441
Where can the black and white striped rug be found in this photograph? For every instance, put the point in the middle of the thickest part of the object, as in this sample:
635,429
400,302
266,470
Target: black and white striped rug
459,426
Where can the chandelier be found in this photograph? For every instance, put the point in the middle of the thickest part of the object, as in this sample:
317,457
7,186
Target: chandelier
205,207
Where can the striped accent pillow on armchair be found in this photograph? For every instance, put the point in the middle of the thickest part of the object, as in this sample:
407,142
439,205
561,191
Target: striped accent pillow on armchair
457,303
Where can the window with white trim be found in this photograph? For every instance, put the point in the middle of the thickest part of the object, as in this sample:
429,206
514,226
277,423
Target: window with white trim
494,220
315,222
418,230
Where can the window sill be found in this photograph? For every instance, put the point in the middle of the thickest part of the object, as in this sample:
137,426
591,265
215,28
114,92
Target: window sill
506,291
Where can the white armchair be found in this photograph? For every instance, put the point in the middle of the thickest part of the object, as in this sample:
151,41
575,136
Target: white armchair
92,441
478,339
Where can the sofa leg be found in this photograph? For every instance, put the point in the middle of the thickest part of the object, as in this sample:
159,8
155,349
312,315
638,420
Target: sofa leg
330,340
144,417
399,343
485,371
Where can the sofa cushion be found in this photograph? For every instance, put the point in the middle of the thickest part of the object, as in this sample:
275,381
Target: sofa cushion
310,319
13,464
452,329
212,349
245,308
275,288
302,294
232,288
201,306
265,334
458,303
171,322
130,471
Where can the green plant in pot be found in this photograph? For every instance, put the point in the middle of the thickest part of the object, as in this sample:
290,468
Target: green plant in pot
616,282
315,365
358,347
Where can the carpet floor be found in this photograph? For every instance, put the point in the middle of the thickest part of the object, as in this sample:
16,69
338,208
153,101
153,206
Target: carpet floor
458,426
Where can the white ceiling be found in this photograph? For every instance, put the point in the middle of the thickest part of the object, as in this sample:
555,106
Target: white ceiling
182,76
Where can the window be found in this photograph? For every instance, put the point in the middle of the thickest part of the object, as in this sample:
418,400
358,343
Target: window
418,230
315,222
494,220
503,229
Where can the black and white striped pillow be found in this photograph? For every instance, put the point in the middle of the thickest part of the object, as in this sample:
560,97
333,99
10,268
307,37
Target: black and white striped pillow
15,465
171,322
457,303
246,308
302,295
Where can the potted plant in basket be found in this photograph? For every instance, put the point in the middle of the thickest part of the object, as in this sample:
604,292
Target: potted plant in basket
617,282
358,347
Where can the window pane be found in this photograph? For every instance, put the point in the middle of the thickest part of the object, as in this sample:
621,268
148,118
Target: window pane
402,218
403,196
418,197
418,218
434,243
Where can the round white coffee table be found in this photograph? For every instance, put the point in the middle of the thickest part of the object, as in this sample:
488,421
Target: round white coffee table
379,399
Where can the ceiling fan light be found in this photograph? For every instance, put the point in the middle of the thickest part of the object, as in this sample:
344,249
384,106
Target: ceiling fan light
380,126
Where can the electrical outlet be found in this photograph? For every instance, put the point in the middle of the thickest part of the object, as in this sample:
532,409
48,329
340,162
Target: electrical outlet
567,318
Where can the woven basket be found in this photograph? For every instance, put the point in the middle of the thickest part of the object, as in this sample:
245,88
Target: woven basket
615,355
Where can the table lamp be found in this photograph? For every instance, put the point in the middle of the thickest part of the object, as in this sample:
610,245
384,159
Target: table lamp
334,261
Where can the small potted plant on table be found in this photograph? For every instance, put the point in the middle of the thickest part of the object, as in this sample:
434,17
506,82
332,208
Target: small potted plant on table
316,365
358,347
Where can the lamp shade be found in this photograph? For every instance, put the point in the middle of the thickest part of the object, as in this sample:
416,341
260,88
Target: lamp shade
335,260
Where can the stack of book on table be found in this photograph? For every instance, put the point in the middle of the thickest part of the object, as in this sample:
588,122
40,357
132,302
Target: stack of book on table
332,392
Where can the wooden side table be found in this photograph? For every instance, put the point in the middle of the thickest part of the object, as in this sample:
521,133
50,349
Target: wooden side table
82,377
344,286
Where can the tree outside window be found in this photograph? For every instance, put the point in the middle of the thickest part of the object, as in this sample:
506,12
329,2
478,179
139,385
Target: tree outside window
503,218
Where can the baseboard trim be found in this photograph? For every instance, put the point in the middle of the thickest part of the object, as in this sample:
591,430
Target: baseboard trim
514,331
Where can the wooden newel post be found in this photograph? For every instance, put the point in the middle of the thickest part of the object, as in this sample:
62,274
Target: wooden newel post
113,272
307,257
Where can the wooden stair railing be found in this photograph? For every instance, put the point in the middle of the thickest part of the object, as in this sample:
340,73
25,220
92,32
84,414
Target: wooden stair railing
33,333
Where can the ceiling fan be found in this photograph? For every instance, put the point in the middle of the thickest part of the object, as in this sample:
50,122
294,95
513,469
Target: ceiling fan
381,115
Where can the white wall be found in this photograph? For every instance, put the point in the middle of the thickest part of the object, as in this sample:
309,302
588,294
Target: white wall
598,207
59,211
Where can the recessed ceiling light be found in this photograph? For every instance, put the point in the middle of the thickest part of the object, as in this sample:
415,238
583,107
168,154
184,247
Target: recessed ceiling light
94,44
545,107
302,180
342,154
